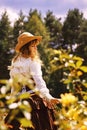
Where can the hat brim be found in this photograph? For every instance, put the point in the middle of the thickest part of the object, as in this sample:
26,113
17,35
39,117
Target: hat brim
28,39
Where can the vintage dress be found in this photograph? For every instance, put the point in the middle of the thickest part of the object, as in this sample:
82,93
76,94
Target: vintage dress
42,115
29,67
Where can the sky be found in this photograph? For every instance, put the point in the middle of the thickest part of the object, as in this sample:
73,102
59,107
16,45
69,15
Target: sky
59,8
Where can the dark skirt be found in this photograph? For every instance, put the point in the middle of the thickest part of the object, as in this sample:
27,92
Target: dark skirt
42,115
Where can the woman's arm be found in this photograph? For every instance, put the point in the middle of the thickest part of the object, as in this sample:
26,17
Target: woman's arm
35,70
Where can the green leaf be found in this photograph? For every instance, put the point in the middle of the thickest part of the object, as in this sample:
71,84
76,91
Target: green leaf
11,100
3,81
84,68
67,81
72,65
85,97
25,107
85,84
25,123
24,95
77,58
78,63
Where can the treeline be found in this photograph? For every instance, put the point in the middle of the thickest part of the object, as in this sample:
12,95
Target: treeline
71,36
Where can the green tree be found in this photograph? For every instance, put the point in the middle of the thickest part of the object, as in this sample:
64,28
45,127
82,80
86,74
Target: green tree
82,48
54,27
34,23
18,27
71,27
5,33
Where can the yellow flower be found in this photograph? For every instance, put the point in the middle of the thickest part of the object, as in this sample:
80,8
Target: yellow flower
67,99
83,127
79,73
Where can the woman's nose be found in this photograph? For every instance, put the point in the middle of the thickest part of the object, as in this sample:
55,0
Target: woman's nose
35,47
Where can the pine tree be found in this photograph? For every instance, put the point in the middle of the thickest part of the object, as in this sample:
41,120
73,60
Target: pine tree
5,32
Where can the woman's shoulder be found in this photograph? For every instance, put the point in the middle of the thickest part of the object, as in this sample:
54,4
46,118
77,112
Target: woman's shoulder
34,61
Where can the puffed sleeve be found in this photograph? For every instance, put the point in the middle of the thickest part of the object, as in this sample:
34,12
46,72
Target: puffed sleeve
14,70
35,70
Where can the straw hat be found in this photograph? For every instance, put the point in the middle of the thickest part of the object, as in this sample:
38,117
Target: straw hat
24,38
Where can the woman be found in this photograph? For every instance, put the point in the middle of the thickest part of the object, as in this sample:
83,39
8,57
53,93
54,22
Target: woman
28,64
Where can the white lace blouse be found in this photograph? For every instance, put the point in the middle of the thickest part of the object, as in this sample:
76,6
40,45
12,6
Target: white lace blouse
29,67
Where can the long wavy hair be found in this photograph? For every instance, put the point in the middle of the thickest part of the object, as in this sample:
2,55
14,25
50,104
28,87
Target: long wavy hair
25,52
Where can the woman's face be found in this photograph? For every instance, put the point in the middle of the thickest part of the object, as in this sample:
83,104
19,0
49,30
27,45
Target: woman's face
33,49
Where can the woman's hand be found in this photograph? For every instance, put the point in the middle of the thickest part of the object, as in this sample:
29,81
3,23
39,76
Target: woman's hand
54,101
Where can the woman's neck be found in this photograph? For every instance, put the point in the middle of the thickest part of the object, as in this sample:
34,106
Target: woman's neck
28,56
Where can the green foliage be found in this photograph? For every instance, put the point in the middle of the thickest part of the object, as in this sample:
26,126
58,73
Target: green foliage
34,24
54,26
73,71
82,48
72,111
18,27
4,26
72,114
5,31
83,32
15,102
71,27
